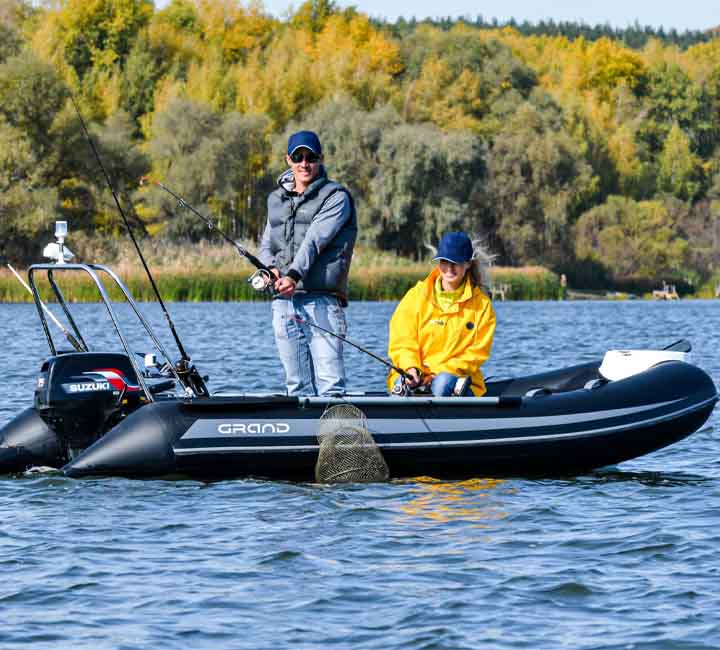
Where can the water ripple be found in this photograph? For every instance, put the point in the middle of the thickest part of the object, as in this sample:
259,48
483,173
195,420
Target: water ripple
619,559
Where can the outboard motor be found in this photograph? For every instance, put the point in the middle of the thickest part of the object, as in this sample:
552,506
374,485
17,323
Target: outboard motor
82,395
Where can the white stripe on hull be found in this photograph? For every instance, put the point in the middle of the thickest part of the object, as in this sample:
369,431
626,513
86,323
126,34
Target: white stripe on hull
462,443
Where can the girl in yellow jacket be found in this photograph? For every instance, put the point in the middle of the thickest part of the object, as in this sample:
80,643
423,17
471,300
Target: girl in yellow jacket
443,328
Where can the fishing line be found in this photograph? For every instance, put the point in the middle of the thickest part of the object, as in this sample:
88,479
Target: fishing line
405,376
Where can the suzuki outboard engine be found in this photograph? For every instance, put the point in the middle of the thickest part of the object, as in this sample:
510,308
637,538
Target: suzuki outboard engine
82,395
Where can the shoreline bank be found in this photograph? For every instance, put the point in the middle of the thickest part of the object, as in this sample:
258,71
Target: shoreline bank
230,285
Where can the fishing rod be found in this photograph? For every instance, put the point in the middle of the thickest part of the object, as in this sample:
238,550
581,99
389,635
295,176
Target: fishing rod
302,321
405,376
68,335
211,226
186,370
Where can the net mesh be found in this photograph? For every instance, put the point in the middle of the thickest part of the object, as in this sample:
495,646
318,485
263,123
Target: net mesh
348,452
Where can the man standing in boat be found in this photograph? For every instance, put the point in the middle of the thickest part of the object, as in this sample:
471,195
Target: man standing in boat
308,243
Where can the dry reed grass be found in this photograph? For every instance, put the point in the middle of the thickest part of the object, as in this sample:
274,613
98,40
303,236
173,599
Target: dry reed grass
210,271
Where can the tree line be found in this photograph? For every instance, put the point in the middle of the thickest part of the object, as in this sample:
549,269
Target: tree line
634,36
590,156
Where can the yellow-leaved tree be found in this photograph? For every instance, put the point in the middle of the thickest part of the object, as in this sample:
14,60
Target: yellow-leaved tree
461,80
279,82
86,34
349,55
235,29
679,170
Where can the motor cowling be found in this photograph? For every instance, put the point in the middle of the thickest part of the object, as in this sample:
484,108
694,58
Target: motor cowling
82,395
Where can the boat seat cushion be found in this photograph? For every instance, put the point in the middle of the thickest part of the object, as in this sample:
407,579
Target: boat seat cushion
555,381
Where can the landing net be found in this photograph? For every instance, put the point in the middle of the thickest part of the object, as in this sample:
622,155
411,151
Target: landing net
348,452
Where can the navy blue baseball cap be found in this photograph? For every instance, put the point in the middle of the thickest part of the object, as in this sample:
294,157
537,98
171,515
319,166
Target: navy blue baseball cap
455,247
307,139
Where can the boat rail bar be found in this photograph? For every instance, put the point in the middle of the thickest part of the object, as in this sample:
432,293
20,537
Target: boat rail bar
93,270
502,402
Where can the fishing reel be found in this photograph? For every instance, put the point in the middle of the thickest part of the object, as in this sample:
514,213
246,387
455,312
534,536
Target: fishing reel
262,281
155,369
193,381
402,387
183,369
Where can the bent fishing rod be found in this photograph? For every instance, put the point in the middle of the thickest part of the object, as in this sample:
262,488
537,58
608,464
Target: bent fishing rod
405,376
211,226
302,321
186,370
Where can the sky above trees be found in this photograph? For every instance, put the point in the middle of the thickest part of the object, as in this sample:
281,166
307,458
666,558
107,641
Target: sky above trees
687,15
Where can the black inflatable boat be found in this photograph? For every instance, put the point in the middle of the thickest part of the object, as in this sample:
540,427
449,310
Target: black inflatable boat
106,414
571,429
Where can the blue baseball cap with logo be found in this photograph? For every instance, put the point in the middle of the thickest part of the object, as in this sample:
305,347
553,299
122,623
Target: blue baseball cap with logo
455,247
307,139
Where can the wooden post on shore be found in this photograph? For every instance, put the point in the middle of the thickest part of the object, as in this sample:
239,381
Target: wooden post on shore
499,291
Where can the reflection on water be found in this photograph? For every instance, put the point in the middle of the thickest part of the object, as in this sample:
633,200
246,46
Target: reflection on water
470,501
618,558
650,479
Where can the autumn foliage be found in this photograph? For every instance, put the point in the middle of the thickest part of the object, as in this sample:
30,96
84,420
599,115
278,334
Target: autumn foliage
586,155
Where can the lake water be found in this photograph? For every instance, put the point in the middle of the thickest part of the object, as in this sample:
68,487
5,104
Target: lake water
623,558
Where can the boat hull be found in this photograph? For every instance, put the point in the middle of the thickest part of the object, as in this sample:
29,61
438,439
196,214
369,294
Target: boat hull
28,441
566,424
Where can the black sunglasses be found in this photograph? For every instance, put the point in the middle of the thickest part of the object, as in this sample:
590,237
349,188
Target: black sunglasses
299,156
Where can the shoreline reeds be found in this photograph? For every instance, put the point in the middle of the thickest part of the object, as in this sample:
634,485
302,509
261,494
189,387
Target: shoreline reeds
222,285
209,272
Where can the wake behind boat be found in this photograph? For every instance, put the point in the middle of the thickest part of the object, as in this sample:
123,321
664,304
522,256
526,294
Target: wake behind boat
107,414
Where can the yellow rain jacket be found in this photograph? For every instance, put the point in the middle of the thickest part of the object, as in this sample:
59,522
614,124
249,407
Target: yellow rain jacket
456,340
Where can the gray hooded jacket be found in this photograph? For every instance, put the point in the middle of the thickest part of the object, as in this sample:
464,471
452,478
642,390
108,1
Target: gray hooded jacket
310,237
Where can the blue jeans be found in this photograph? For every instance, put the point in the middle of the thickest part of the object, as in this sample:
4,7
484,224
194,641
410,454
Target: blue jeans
443,384
313,360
